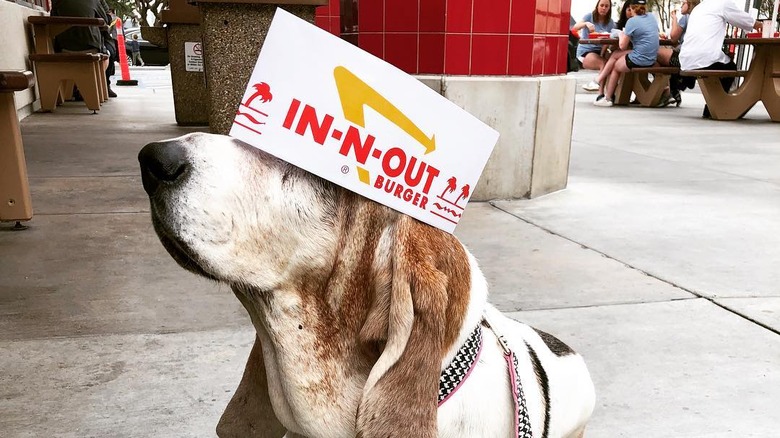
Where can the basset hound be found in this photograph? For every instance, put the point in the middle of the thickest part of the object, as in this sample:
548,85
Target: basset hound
369,323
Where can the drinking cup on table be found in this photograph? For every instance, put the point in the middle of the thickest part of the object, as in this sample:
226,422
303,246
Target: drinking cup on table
766,29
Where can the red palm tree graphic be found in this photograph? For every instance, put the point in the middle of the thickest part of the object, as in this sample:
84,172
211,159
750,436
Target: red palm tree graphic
452,184
263,91
464,193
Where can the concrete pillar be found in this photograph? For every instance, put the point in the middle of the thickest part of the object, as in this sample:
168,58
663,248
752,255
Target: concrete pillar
233,33
182,25
534,116
501,60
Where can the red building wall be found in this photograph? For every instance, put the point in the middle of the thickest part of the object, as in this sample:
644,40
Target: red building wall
457,37
328,17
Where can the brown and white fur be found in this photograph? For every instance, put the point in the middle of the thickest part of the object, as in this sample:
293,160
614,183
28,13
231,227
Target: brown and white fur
357,307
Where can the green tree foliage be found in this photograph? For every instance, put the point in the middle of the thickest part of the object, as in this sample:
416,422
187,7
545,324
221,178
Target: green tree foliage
140,9
123,8
664,10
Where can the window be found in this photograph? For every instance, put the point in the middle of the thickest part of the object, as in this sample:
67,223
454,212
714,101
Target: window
43,5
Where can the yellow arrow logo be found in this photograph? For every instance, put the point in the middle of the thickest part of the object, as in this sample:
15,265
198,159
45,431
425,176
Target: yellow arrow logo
355,94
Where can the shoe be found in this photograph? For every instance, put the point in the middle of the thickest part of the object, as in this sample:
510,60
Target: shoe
677,98
665,101
111,93
602,101
591,86
706,114
635,102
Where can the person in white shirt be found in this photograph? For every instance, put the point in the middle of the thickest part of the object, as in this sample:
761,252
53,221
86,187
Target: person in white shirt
702,48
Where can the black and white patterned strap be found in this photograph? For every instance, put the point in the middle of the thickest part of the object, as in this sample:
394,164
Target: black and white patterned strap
456,372
522,422
463,363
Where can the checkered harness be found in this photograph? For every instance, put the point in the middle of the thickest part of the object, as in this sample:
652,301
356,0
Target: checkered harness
463,364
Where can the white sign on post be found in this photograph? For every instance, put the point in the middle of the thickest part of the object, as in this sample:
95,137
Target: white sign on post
328,107
193,56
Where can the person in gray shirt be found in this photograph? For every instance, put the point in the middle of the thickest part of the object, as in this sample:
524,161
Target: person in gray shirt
83,38
79,38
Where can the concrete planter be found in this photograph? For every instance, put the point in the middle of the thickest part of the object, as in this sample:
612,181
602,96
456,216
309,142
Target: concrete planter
534,116
155,35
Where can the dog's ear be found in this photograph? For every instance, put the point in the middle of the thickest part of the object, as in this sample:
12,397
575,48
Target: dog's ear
421,296
249,413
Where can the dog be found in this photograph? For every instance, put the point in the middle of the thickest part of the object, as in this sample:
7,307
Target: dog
361,312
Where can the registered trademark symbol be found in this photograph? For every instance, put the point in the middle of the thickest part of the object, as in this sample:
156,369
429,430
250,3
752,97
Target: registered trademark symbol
345,169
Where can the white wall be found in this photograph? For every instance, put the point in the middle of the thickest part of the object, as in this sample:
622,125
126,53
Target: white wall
16,41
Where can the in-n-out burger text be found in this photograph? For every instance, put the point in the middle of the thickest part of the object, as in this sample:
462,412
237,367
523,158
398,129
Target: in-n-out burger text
404,176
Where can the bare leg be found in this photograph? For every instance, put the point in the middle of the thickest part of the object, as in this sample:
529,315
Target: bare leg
249,413
619,68
593,61
664,56
607,70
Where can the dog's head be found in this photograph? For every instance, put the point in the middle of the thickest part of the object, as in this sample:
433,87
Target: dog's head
238,215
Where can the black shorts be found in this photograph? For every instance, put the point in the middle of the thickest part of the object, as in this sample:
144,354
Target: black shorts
631,65
675,60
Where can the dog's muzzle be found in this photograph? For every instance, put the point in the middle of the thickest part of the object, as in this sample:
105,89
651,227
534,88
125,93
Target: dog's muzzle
163,164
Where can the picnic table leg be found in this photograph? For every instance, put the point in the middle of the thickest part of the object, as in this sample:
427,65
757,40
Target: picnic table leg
770,95
730,106
649,92
624,89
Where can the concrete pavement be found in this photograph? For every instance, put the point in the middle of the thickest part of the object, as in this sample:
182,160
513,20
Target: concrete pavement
658,263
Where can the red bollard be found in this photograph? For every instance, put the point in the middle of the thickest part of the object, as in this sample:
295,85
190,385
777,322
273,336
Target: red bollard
120,41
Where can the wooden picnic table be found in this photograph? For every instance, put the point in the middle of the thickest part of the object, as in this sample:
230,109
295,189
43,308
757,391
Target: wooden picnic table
45,28
761,83
614,41
647,83
56,73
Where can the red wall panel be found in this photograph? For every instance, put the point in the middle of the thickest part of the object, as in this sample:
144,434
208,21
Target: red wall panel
460,37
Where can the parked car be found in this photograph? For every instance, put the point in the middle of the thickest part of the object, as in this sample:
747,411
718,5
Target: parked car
151,54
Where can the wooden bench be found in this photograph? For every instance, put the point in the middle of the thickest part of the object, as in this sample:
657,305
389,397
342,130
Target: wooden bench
15,201
45,28
55,70
713,73
648,92
58,72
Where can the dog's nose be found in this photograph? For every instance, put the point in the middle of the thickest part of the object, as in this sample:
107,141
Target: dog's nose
162,163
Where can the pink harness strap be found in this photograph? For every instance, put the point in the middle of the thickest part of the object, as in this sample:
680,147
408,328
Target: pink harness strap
464,362
522,422
461,366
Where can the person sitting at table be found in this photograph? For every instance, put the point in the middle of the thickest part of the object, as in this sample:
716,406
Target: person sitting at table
625,13
592,56
641,31
87,39
671,56
702,48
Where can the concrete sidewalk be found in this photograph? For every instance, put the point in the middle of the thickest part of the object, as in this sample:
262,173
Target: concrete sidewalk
659,263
